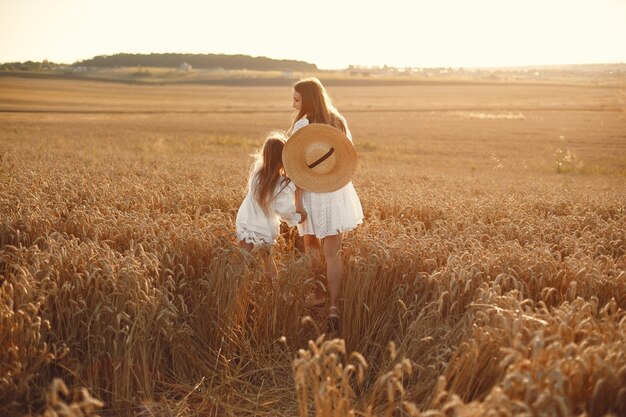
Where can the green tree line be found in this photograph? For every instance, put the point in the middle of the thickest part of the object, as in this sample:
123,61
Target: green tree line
201,61
30,66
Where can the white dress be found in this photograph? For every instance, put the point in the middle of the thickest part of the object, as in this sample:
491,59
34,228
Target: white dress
254,226
329,213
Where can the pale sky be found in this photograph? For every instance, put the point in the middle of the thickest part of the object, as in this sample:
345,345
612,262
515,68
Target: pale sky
329,33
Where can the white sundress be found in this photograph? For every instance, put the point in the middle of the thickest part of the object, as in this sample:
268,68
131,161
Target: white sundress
329,213
254,226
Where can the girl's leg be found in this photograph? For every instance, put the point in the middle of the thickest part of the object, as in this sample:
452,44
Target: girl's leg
270,266
245,245
266,254
334,269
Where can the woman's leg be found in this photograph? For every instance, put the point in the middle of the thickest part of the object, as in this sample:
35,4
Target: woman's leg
312,248
334,269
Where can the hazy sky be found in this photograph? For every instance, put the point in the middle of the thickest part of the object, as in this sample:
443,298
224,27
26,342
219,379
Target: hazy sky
329,33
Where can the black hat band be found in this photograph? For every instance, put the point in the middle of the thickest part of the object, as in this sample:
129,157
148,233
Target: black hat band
322,159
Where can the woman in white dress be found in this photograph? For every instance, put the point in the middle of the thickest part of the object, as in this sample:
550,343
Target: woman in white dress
269,200
329,215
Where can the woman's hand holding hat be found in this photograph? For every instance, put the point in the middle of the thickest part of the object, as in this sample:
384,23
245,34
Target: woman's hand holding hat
319,158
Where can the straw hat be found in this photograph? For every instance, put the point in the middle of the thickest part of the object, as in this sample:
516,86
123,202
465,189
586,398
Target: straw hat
319,158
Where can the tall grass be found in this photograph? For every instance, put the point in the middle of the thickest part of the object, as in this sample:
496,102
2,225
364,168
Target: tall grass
461,296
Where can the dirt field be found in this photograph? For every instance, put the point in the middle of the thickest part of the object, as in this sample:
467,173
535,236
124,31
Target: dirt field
492,254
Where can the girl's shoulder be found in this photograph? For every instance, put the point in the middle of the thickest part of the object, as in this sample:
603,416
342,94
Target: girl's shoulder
255,168
253,172
285,185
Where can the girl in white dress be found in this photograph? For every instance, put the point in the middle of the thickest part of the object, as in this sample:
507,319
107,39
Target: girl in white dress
329,215
269,200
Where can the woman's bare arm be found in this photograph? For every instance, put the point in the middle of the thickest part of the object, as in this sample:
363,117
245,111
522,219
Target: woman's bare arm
299,204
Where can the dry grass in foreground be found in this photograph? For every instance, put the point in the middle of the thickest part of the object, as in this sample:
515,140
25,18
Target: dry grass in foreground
490,291
123,277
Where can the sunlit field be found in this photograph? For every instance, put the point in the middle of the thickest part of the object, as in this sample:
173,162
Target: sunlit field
489,276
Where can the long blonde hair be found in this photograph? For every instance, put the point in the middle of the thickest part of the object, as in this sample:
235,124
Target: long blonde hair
268,170
317,105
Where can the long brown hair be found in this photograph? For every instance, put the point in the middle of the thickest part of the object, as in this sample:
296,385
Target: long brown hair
268,170
317,105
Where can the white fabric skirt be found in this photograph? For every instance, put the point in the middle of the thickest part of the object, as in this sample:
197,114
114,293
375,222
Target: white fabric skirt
253,237
331,213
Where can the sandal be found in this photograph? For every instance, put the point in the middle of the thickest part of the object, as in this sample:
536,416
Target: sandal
313,302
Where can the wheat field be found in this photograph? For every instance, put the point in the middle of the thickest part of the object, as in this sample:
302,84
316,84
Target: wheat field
489,276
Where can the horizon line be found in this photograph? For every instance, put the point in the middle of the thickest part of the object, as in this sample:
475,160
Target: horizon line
357,66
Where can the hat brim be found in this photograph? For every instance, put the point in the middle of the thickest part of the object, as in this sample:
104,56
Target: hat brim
294,158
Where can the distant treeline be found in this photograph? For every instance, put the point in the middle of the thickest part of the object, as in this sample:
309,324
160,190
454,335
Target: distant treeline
202,61
30,66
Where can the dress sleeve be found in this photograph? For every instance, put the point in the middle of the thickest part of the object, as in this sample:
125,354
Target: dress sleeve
348,133
300,124
285,206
